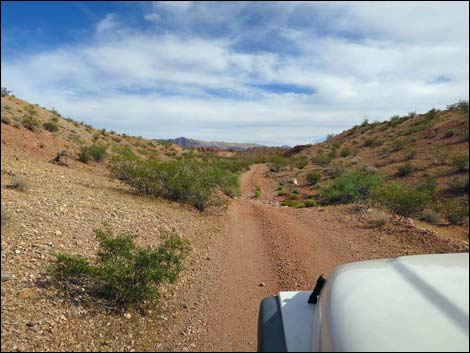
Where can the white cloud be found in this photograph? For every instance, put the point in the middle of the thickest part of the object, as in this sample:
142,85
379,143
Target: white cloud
175,82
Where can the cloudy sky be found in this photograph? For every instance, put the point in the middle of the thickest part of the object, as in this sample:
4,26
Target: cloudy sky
273,73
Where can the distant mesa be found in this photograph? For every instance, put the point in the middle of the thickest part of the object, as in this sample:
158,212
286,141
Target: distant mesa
211,145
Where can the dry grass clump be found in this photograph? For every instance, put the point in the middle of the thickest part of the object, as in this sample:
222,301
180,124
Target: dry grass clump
376,218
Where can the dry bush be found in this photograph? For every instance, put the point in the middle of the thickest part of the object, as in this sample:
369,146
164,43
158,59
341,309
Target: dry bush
375,218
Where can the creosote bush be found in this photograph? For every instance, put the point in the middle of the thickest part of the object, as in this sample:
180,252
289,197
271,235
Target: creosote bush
50,126
410,153
457,186
30,122
186,180
323,159
401,199
313,177
429,216
96,151
257,192
370,143
278,163
350,187
404,170
310,203
124,273
460,163
346,151
461,106
456,211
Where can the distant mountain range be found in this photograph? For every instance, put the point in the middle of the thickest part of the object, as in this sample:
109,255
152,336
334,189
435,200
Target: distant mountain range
192,143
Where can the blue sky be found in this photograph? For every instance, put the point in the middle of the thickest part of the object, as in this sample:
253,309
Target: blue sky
267,72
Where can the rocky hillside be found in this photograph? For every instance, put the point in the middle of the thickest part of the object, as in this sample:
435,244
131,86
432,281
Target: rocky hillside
230,146
50,132
52,206
426,152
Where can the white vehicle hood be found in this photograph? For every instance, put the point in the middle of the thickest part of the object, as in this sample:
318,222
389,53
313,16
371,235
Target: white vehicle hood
412,303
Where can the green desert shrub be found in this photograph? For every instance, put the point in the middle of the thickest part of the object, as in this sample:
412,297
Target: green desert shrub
6,120
293,203
300,162
323,159
313,177
293,196
410,153
345,151
456,211
398,144
190,181
30,122
461,106
50,126
84,154
96,151
431,114
370,143
428,186
334,171
457,186
278,163
460,163
353,186
299,205
122,272
404,170
257,192
281,193
429,216
289,203
231,185
310,203
401,199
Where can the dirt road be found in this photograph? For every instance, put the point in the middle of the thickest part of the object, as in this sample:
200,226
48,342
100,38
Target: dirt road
266,250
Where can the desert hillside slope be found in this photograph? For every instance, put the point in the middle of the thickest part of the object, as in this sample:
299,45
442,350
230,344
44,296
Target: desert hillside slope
50,207
426,152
